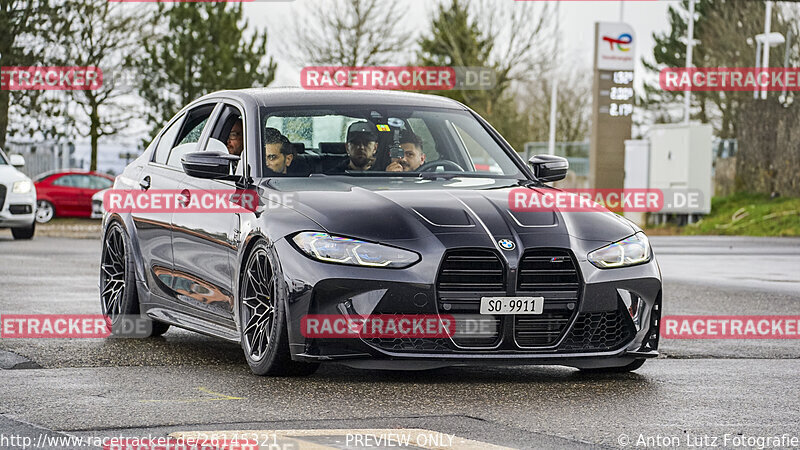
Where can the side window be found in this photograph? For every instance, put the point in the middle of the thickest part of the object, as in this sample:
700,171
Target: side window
194,134
229,131
67,181
82,181
420,128
481,159
96,182
190,134
166,141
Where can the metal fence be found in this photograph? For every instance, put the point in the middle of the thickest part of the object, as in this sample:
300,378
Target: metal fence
725,148
577,153
43,156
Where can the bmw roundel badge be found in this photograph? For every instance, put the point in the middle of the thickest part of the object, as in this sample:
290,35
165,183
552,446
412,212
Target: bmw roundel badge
506,244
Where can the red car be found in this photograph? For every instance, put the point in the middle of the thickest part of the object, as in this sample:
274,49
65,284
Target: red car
68,193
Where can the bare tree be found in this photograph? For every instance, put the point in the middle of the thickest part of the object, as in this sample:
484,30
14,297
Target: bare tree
508,38
27,30
520,44
350,33
573,105
102,34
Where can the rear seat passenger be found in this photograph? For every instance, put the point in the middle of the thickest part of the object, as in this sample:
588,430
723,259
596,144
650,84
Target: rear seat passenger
307,162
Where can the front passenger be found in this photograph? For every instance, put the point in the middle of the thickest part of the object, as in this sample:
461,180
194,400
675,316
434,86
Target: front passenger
278,153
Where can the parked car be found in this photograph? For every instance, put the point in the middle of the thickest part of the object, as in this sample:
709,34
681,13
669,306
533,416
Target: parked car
17,198
579,289
97,204
68,193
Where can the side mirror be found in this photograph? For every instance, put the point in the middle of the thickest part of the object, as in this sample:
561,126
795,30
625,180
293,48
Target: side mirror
212,165
17,160
548,168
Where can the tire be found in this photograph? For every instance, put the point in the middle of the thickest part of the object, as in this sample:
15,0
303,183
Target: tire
45,211
262,319
24,232
621,369
118,297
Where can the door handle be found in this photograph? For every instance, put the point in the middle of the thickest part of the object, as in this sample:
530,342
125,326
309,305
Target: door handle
185,198
145,183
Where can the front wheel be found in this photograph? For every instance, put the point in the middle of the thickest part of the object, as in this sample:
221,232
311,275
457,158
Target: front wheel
45,211
262,319
24,232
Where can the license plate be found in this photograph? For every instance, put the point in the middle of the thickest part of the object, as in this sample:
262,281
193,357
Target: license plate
512,305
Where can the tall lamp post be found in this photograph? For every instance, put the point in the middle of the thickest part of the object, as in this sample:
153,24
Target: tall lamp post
551,143
687,95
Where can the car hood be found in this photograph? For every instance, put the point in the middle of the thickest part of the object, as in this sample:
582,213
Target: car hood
412,209
9,174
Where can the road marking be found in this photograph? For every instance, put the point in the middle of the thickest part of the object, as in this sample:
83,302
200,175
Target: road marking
333,439
215,396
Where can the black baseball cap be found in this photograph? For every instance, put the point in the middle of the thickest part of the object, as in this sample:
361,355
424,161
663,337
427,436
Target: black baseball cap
362,130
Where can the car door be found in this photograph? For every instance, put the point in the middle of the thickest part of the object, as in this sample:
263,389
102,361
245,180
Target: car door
154,227
65,193
205,242
83,198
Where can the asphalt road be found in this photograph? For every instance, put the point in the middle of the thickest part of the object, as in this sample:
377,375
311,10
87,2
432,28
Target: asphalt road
726,393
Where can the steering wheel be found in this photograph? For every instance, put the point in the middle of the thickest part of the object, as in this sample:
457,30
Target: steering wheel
428,166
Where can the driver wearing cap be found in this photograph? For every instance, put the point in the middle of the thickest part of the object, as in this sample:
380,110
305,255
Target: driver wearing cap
362,143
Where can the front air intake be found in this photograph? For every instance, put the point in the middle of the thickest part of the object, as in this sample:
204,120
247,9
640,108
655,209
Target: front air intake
548,273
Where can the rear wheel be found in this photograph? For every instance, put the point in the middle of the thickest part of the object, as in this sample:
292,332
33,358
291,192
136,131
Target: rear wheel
118,296
262,319
45,211
24,232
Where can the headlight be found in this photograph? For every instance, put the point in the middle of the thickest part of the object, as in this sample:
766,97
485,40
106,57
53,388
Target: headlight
627,252
21,187
340,250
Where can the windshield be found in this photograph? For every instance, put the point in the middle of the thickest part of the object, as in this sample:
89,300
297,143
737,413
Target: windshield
374,141
3,160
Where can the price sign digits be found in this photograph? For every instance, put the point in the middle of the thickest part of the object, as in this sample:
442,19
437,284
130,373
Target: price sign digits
623,77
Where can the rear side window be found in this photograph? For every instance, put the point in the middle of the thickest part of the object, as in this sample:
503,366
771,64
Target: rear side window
96,182
166,141
68,180
194,134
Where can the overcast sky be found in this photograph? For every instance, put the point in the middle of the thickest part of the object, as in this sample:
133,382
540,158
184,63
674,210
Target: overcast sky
577,19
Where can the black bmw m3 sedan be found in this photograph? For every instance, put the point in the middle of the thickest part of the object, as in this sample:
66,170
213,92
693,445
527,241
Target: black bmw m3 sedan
372,204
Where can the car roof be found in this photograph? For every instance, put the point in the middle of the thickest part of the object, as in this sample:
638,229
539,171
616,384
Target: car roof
287,97
50,173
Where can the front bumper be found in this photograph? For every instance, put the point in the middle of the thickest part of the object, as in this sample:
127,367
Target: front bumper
593,327
18,210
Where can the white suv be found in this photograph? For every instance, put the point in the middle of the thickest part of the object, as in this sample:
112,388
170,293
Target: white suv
17,198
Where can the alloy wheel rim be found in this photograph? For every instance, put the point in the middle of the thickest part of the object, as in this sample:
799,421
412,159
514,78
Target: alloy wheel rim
258,305
112,271
44,212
